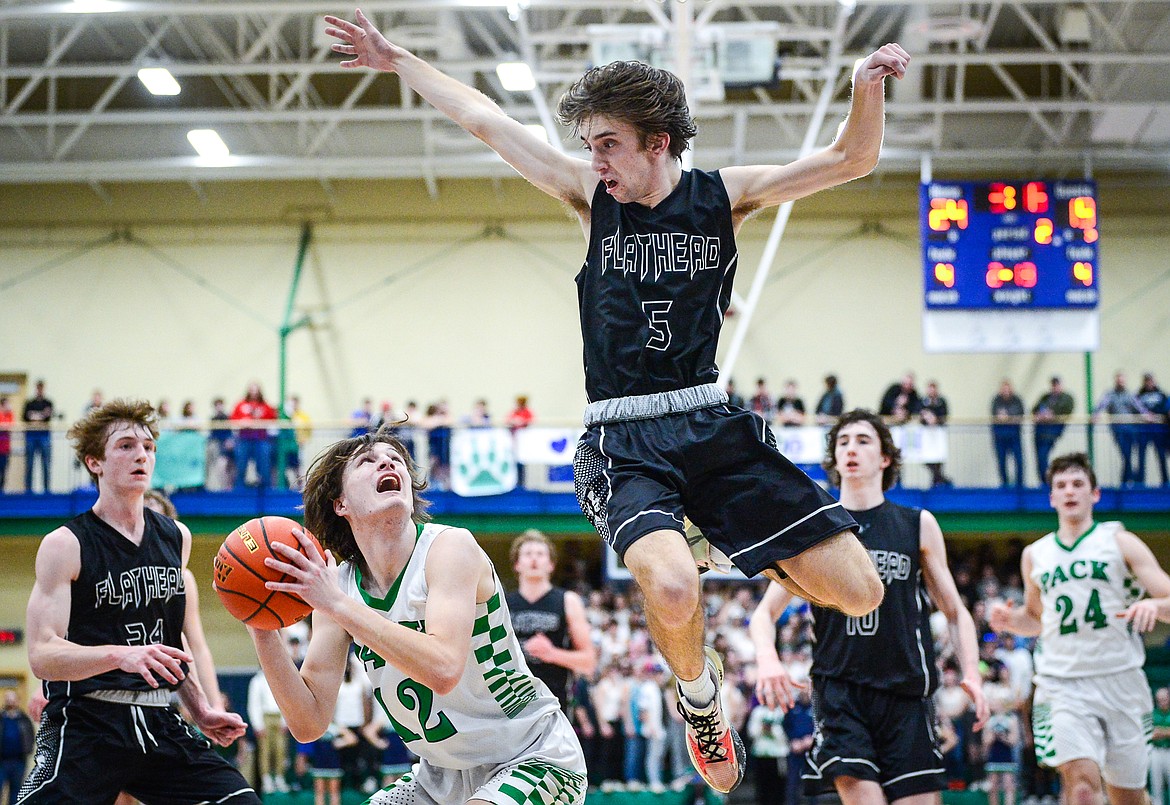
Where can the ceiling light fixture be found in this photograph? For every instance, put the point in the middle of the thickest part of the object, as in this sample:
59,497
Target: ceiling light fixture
516,76
159,81
93,6
208,144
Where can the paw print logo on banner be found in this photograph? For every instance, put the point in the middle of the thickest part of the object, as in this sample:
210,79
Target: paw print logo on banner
482,462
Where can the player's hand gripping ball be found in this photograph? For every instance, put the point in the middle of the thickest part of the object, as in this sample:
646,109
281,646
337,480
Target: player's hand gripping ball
240,573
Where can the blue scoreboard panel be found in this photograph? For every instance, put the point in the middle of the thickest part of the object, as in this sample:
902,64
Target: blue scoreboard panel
1009,245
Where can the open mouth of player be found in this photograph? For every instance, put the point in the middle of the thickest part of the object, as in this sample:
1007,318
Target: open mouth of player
610,184
139,473
389,483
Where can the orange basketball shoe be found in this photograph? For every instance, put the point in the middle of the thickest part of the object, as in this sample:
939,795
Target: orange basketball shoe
714,746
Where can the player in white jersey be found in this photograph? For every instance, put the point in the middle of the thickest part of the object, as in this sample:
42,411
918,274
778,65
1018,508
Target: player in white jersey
1084,588
428,615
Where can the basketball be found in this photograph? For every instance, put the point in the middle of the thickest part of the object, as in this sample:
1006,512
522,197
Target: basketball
240,574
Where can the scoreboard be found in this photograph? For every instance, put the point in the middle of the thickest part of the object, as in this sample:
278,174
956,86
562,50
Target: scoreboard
1010,245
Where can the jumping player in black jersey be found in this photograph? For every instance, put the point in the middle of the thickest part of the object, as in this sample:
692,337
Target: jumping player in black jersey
549,621
662,440
105,623
874,675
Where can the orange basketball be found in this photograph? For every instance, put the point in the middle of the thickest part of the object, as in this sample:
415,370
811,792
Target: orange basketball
240,574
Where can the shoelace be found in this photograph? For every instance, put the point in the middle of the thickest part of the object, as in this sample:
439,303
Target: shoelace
707,733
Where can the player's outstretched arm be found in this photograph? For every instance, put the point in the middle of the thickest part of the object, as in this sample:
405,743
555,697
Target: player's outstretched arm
1005,616
941,586
774,685
557,174
54,658
853,154
306,696
1144,566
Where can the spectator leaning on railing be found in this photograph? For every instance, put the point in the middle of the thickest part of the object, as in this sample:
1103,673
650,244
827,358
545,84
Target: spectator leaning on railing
1153,433
1007,412
7,416
1124,409
901,400
831,403
1050,413
934,413
253,444
37,414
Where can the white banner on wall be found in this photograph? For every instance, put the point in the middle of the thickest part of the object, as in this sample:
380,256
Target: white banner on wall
921,444
551,446
802,445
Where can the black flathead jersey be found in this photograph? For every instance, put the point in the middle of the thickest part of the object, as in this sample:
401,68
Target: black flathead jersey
891,648
654,288
546,616
125,595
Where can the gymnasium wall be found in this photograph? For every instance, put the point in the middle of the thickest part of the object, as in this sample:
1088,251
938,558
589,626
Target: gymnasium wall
178,291
172,291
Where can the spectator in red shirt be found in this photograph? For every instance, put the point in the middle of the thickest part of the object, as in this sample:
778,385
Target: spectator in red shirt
253,444
521,416
7,415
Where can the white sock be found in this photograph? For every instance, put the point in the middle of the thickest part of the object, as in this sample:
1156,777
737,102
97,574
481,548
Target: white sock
700,693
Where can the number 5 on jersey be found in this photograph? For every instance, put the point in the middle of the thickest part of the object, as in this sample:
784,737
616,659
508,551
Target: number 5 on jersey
656,312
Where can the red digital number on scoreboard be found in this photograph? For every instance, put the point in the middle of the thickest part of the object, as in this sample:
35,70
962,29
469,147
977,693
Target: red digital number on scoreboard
947,212
1032,197
1082,215
1021,275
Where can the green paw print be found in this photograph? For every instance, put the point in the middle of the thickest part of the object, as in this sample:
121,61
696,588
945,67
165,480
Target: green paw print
486,465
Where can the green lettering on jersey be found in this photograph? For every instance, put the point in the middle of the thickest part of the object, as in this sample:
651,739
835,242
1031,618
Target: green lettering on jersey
420,699
1093,612
1058,576
1077,569
370,658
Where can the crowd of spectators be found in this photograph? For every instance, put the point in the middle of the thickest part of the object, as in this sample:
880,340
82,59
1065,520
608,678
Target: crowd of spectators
626,717
254,444
246,446
633,738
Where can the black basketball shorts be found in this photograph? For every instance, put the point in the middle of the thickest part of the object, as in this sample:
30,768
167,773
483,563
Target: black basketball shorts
872,734
720,466
88,751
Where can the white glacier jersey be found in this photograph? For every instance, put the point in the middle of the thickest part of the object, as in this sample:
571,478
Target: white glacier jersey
496,713
1084,587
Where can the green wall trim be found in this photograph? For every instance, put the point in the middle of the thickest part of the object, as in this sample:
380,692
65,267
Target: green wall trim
971,523
476,524
1040,523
